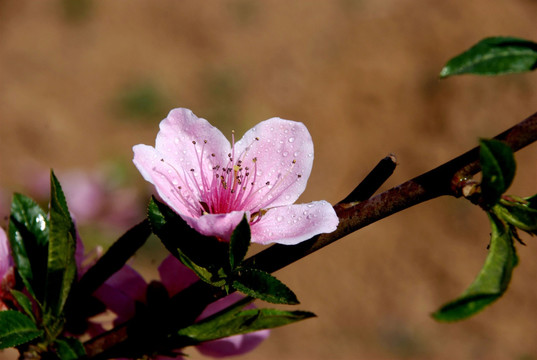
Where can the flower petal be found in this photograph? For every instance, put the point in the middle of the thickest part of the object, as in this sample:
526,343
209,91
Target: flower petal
121,292
153,169
175,161
219,225
283,150
6,261
231,345
175,276
292,224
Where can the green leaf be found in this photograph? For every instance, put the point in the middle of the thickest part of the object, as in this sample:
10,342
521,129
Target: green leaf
206,256
16,329
492,280
239,243
24,302
69,349
494,56
262,285
61,270
517,214
28,235
238,322
498,169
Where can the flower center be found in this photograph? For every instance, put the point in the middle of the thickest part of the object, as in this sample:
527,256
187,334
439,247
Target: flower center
214,188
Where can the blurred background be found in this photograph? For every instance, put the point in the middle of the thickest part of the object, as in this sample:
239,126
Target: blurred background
82,81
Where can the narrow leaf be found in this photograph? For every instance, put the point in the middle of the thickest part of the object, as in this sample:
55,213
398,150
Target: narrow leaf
239,243
491,282
61,270
16,329
494,56
498,169
28,235
262,285
206,256
242,322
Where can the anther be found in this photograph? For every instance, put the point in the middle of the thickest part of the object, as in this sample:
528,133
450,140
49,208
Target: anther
193,142
205,141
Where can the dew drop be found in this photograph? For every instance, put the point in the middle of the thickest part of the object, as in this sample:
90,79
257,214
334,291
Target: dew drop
310,205
279,218
285,153
40,220
291,139
295,154
271,128
305,212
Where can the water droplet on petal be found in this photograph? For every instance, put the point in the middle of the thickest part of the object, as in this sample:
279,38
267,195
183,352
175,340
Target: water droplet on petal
291,139
310,155
279,218
295,154
285,153
311,205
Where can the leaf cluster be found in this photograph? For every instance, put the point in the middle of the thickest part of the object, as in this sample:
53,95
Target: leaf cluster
506,215
43,248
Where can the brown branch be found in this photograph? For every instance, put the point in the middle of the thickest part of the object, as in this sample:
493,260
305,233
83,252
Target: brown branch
447,179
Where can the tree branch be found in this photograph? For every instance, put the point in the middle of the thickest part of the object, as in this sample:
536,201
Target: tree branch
447,179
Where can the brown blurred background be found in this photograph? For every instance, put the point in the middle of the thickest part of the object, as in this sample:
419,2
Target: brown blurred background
82,81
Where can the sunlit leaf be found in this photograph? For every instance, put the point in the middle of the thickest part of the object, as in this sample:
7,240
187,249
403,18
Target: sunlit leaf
28,235
494,56
492,280
16,329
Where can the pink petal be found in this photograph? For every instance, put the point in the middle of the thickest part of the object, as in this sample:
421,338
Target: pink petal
175,276
153,169
284,152
175,160
232,345
179,130
292,224
6,261
121,292
219,225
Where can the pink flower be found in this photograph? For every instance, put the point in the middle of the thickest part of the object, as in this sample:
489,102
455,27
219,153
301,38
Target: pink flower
7,272
212,184
126,287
